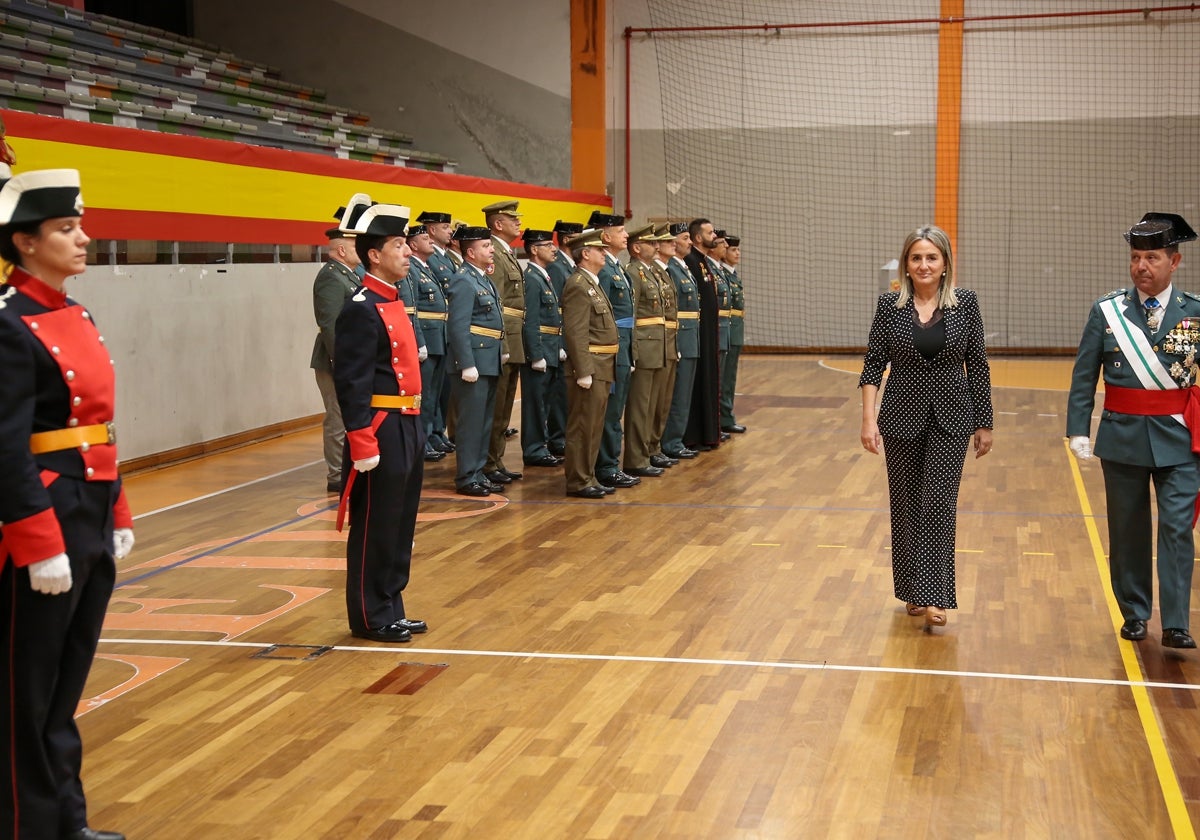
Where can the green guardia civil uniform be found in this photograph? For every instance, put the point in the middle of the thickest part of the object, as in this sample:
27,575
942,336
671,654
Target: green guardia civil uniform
737,338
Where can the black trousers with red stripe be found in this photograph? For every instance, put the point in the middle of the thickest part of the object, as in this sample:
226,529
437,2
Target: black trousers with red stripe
47,643
383,520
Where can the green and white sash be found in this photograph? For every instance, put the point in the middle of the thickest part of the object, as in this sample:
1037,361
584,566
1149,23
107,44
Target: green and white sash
1139,353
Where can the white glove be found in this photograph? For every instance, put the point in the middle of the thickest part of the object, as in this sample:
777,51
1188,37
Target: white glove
423,353
678,357
562,355
51,576
122,542
632,368
584,382
471,374
539,365
1082,447
367,464
504,357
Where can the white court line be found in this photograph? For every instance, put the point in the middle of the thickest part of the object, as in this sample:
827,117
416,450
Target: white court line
668,660
226,490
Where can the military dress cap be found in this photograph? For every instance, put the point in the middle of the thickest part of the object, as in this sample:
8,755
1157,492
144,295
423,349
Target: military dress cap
531,236
588,238
383,220
603,220
509,208
469,233
567,228
40,195
1159,230
733,241
347,217
718,235
662,233
678,228
416,230
644,232
429,217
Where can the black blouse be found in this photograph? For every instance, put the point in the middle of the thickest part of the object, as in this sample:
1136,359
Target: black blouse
929,339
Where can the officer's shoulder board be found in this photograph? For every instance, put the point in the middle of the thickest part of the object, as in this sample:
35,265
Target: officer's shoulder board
1192,295
1111,294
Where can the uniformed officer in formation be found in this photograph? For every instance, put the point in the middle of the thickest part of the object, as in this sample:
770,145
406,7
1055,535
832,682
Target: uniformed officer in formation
703,422
687,300
737,334
648,354
431,318
475,332
504,223
442,261
664,250
1145,340
591,340
378,379
334,284
559,269
724,317
543,349
615,286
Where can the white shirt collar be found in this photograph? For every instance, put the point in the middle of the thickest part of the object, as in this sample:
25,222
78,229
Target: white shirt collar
1163,297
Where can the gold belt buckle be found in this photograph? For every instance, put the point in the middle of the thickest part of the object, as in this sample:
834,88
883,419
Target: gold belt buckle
111,428
417,401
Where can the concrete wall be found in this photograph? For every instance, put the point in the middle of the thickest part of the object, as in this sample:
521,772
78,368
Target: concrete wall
491,92
818,147
202,352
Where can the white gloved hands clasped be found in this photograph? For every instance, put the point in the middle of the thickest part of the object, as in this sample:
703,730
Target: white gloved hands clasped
51,576
1081,445
367,464
122,542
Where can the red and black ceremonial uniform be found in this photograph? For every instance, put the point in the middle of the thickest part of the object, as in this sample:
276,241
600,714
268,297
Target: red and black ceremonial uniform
59,493
378,380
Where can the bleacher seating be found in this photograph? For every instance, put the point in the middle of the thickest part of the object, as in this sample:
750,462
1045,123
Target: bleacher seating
61,62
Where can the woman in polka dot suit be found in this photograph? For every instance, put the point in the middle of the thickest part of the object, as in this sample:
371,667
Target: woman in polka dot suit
938,399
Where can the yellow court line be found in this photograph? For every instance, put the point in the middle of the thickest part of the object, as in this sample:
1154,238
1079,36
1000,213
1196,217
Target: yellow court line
1167,780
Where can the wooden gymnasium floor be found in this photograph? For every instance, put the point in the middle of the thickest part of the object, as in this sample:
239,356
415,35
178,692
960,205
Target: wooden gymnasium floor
715,654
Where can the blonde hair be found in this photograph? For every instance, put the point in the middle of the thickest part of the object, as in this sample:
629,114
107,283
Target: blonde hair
938,238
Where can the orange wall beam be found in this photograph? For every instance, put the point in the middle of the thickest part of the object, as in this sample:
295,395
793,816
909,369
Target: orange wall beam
588,56
949,118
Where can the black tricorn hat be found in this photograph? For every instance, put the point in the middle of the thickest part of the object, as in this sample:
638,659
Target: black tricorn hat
733,241
469,233
530,236
416,230
567,228
678,228
1159,230
603,220
430,217
347,217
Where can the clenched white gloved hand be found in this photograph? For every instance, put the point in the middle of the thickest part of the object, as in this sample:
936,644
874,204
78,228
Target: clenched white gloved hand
584,382
471,374
539,365
51,576
367,464
422,353
1081,446
122,543
562,355
504,357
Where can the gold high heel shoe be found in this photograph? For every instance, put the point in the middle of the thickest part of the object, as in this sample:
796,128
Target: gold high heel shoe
935,617
915,609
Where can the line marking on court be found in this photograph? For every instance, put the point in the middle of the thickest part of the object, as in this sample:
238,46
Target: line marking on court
216,493
672,660
1167,780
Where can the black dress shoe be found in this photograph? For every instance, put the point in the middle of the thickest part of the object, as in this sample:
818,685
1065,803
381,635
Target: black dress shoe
444,444
93,834
1175,638
736,428
1135,630
473,489
588,493
647,472
557,450
513,474
412,625
543,461
663,461
391,633
684,454
509,432
608,491
432,454
333,488
498,477
618,479
725,436
493,486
